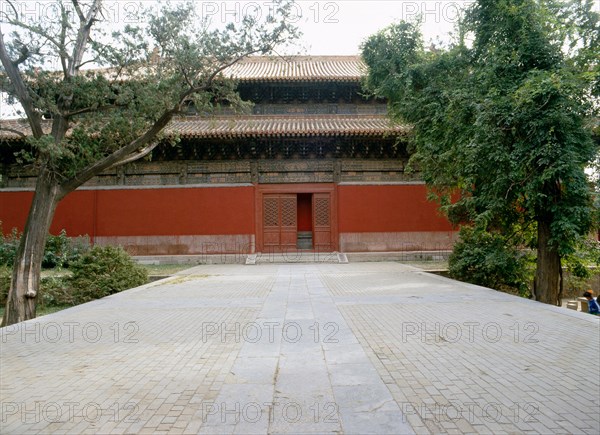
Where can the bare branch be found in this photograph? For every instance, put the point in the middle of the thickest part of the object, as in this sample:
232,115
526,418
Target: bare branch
21,90
63,35
83,37
13,8
78,10
38,31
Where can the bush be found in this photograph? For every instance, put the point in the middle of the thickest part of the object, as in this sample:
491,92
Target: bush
581,266
5,276
60,250
486,259
103,271
8,247
55,291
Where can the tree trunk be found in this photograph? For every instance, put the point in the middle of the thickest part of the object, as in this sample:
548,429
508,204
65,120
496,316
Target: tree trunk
547,275
25,282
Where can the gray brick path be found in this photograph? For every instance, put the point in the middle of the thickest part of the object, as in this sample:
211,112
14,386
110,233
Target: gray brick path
303,348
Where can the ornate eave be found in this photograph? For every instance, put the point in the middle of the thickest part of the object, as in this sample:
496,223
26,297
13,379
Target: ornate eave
253,126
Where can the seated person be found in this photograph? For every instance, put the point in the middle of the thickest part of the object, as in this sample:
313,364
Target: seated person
592,304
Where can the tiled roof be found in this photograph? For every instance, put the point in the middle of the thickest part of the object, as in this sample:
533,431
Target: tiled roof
285,126
298,68
258,126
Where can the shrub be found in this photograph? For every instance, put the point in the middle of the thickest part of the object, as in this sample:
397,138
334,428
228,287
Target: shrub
8,247
55,253
55,291
60,250
582,266
103,271
487,259
5,276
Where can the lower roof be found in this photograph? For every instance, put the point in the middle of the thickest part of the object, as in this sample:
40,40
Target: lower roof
254,126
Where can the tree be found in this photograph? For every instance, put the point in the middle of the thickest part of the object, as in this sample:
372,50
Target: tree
501,119
98,118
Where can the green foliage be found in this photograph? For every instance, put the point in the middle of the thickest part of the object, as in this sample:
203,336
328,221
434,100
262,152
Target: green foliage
103,271
8,247
55,292
5,277
152,68
488,259
60,250
501,126
582,265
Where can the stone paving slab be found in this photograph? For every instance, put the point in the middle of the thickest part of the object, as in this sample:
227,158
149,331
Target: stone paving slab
303,348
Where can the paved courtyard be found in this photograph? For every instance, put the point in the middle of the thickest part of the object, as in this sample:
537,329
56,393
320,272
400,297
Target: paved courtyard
303,348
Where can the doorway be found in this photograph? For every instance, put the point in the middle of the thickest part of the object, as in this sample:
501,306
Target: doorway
295,218
305,221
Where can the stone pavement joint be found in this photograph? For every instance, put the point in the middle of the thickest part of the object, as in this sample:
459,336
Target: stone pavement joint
303,348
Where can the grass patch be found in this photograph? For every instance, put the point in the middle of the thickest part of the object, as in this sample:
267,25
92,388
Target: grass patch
165,269
436,265
186,278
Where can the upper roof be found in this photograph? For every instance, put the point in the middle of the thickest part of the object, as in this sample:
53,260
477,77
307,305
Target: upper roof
298,68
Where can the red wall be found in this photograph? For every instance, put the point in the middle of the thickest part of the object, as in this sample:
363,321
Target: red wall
143,212
219,211
399,208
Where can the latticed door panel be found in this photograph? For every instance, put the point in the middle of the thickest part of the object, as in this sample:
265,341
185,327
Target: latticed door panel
271,233
288,205
322,221
280,222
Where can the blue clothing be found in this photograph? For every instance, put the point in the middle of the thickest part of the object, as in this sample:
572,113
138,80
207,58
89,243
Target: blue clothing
593,307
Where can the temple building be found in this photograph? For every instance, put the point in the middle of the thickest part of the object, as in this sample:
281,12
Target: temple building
316,166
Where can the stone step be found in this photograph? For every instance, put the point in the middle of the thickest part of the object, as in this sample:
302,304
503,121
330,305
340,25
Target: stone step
304,244
298,257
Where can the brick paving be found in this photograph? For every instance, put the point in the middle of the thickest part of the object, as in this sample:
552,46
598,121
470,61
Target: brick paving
303,348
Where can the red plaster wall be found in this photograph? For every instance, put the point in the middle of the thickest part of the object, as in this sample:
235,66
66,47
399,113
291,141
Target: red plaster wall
212,211
224,210
399,208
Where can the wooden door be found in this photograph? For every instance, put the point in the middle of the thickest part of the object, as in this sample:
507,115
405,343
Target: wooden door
322,222
280,222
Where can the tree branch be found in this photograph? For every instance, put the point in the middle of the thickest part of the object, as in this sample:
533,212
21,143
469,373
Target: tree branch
215,73
23,57
10,3
91,109
21,91
142,153
78,10
82,37
116,157
38,31
12,130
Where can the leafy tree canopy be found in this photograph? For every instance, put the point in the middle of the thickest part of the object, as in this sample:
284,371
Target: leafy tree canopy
502,117
108,95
